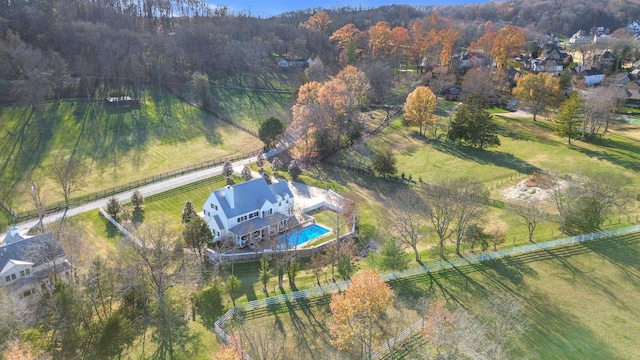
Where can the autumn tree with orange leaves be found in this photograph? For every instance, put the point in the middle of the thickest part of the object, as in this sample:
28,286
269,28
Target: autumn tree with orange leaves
318,22
379,39
419,107
351,41
357,311
510,40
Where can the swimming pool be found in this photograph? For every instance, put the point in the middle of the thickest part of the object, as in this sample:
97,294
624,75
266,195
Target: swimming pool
303,235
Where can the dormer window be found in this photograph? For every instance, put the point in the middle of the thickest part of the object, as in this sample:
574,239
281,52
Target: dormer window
214,207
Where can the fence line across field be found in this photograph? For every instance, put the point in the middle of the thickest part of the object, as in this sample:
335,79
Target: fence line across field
234,313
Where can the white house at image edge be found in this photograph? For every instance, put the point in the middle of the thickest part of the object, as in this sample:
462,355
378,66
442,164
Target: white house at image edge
31,265
249,211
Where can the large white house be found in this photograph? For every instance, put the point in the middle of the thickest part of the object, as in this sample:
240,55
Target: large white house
30,266
249,211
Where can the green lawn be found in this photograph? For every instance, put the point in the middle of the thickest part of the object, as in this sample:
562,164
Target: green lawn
251,107
116,146
580,302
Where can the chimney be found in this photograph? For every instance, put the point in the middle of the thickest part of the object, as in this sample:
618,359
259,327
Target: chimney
14,231
228,195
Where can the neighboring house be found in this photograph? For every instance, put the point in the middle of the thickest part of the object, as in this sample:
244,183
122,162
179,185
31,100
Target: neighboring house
552,61
249,211
580,37
592,76
621,78
31,266
631,97
467,60
605,61
452,93
297,63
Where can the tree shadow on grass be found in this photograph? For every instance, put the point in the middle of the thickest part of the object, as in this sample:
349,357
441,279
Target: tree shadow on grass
23,148
137,217
479,156
625,154
555,334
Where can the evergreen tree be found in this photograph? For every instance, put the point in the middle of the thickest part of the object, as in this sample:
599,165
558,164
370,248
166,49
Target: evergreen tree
114,208
392,256
569,117
294,170
227,171
246,174
265,274
188,212
137,200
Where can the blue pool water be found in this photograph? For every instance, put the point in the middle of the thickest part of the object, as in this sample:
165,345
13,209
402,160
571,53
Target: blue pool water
303,235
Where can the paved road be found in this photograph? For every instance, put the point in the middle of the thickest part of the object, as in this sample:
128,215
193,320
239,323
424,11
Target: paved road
155,188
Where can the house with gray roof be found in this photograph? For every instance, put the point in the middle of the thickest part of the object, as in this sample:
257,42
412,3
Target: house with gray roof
31,265
249,211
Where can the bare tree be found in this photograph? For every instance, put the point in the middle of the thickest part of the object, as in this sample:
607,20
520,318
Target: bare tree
531,214
69,173
441,212
409,219
599,105
39,200
155,261
505,323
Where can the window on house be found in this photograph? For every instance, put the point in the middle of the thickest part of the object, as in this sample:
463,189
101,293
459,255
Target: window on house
239,219
28,271
214,207
7,278
21,273
13,276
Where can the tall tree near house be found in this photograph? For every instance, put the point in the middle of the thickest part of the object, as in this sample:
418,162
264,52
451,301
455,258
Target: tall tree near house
474,124
294,170
409,219
69,173
114,208
270,130
153,260
569,118
188,212
293,268
197,235
245,174
509,41
137,200
392,256
265,274
260,161
419,107
531,214
100,289
357,310
537,91
39,200
276,166
231,285
475,234
316,265
227,171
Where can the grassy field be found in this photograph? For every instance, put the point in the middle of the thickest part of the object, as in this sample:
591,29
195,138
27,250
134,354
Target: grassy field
116,145
580,302
274,97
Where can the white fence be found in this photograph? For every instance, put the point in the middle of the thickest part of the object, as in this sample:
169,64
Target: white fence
230,316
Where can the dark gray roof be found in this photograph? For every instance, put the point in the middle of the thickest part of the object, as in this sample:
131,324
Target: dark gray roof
258,223
47,247
250,196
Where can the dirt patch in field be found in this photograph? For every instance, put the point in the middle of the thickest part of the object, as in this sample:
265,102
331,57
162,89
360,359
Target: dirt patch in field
538,186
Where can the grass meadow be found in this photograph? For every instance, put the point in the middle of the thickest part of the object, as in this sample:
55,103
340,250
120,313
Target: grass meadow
580,302
116,145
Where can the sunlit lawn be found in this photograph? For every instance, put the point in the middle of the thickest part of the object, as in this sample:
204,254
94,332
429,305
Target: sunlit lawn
116,146
580,301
